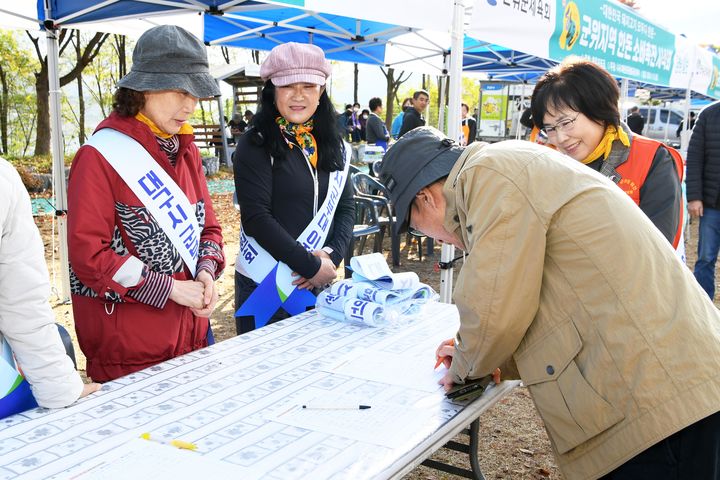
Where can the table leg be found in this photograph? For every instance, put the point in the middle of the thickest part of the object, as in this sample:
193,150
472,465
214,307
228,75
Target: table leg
471,450
474,439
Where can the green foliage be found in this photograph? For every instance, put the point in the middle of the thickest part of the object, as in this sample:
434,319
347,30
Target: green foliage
17,93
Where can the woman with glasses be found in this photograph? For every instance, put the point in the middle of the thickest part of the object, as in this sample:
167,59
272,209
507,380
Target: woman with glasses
576,105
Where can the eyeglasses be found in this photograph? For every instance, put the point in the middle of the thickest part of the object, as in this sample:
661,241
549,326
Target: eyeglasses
561,126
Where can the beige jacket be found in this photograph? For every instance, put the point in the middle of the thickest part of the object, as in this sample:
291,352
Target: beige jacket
616,341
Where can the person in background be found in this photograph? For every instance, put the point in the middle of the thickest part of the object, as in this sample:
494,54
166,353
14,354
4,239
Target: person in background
414,116
703,192
635,121
283,167
397,121
356,134
616,342
237,127
377,133
576,105
144,244
681,127
468,126
363,124
345,123
248,116
27,323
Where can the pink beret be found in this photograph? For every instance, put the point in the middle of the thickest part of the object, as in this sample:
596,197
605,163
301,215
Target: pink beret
295,63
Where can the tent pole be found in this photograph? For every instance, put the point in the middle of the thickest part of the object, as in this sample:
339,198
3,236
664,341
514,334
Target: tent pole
455,77
684,137
59,186
624,91
441,108
223,126
517,114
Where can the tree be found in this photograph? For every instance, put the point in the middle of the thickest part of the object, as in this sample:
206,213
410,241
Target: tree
355,84
16,73
101,76
393,84
42,88
81,97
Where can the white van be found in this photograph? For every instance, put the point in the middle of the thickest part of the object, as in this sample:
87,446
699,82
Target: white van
661,123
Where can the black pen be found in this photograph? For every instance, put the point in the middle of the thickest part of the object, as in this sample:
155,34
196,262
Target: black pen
358,407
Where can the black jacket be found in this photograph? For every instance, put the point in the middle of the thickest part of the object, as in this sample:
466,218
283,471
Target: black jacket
276,204
636,122
411,119
703,158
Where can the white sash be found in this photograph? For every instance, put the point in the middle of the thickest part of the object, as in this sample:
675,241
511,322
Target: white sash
255,262
163,198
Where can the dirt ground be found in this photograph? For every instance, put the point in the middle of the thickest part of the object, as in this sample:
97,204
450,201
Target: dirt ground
513,441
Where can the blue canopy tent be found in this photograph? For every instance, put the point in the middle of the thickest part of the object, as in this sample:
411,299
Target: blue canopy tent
342,38
134,16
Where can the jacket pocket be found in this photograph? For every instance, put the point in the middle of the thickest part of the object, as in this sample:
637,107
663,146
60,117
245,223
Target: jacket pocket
572,410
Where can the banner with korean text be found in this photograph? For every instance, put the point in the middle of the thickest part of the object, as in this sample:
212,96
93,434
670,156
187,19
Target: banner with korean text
611,35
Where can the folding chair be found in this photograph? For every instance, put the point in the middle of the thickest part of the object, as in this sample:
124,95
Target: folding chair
366,224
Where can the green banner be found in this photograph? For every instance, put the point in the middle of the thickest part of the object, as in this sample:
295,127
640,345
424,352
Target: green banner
714,85
493,108
614,37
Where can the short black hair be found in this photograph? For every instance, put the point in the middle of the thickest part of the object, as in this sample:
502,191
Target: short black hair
581,86
374,103
348,106
420,92
466,106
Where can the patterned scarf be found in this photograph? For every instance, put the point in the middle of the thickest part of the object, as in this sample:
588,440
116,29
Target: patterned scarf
605,146
302,132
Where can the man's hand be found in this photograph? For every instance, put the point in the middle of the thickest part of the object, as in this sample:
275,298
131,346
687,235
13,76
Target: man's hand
210,294
695,208
89,388
445,351
446,381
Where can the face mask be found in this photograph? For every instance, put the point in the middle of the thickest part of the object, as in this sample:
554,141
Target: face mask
365,117
355,109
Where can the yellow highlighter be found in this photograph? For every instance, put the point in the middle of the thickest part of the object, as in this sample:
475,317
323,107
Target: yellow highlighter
175,443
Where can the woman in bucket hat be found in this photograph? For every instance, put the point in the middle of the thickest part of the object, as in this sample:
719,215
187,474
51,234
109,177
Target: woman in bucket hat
145,247
283,171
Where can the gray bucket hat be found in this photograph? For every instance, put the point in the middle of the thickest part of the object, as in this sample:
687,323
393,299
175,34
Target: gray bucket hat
420,157
168,57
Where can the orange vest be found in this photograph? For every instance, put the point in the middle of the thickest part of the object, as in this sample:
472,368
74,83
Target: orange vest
635,170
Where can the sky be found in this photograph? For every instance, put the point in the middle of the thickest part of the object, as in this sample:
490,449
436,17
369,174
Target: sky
697,19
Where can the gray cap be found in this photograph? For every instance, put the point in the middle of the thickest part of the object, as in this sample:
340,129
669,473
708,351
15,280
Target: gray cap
420,157
168,57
